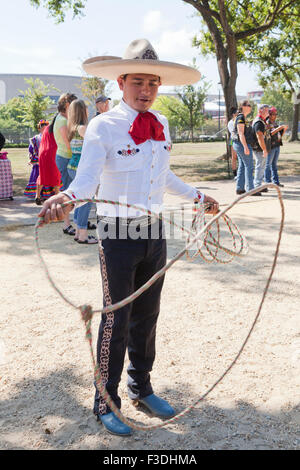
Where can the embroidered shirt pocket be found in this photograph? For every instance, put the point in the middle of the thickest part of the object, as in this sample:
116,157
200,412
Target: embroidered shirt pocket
124,157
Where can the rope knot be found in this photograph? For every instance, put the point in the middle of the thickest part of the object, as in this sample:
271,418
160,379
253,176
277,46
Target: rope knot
86,312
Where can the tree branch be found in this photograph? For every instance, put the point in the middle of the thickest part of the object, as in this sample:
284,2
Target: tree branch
268,22
203,7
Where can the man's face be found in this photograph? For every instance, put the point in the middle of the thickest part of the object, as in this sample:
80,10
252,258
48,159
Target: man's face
102,107
264,112
139,90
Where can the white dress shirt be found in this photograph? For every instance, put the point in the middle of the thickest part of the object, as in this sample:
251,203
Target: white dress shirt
125,172
230,126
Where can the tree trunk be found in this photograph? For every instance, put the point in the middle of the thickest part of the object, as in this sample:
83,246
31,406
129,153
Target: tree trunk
192,125
225,51
294,134
230,96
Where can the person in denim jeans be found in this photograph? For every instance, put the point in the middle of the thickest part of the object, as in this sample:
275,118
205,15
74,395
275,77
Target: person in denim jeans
271,173
63,153
262,144
242,139
77,124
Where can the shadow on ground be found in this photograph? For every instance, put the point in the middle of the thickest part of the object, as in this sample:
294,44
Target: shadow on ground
58,421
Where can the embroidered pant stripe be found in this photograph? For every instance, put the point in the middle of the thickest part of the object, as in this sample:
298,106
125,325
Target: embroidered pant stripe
107,332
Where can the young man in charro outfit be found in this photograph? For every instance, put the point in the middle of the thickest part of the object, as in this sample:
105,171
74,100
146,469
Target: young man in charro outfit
127,151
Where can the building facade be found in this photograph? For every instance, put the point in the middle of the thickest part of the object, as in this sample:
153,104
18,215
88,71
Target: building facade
12,83
255,96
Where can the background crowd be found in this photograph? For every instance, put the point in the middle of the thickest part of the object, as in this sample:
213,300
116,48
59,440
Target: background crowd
54,154
255,145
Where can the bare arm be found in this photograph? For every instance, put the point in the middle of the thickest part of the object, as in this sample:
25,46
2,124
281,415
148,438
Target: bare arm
261,141
241,132
280,128
81,130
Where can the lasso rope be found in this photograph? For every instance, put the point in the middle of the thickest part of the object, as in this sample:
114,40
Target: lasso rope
87,312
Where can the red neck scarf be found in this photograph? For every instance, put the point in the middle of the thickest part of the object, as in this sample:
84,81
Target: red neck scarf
146,126
264,119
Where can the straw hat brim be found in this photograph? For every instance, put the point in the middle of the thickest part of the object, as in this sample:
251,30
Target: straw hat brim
171,73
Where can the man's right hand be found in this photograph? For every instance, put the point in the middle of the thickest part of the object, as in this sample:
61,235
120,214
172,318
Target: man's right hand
52,210
246,150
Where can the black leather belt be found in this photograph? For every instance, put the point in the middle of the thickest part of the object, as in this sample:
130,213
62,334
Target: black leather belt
143,221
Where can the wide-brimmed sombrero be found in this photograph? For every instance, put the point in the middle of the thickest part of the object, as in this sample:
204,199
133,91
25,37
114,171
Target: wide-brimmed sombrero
140,57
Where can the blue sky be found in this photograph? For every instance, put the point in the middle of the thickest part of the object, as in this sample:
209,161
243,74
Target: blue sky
31,42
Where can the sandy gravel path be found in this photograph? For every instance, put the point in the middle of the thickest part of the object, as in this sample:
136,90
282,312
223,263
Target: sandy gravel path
46,384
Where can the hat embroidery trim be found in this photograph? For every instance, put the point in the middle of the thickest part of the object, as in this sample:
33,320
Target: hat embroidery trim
149,54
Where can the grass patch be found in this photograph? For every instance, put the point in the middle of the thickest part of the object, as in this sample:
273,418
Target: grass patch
190,161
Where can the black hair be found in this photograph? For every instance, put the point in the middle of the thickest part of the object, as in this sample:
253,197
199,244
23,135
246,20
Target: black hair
2,141
52,124
233,110
124,76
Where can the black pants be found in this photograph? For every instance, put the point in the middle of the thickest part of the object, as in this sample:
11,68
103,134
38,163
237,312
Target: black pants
126,264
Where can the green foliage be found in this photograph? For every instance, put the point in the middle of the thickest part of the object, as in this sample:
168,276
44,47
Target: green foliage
36,103
247,21
16,146
11,118
57,8
92,87
278,57
274,97
171,107
186,110
11,113
230,27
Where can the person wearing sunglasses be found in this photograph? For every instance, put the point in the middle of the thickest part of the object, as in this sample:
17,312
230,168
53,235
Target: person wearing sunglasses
261,144
242,137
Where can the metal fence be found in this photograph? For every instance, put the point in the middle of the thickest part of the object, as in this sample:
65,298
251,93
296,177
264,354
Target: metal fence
18,136
205,134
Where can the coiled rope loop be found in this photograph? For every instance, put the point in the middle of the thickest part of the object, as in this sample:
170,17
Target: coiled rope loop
208,241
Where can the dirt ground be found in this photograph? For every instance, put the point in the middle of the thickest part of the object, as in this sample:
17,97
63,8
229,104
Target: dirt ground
46,382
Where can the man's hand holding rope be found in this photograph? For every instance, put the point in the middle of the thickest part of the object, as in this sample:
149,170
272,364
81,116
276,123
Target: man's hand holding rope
52,210
211,205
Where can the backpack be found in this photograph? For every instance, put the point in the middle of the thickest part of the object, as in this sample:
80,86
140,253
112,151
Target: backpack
267,135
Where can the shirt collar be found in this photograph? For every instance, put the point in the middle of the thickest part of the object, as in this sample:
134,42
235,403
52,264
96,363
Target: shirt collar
128,109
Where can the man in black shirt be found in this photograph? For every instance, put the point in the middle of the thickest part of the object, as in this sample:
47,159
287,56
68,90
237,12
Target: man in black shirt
261,144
